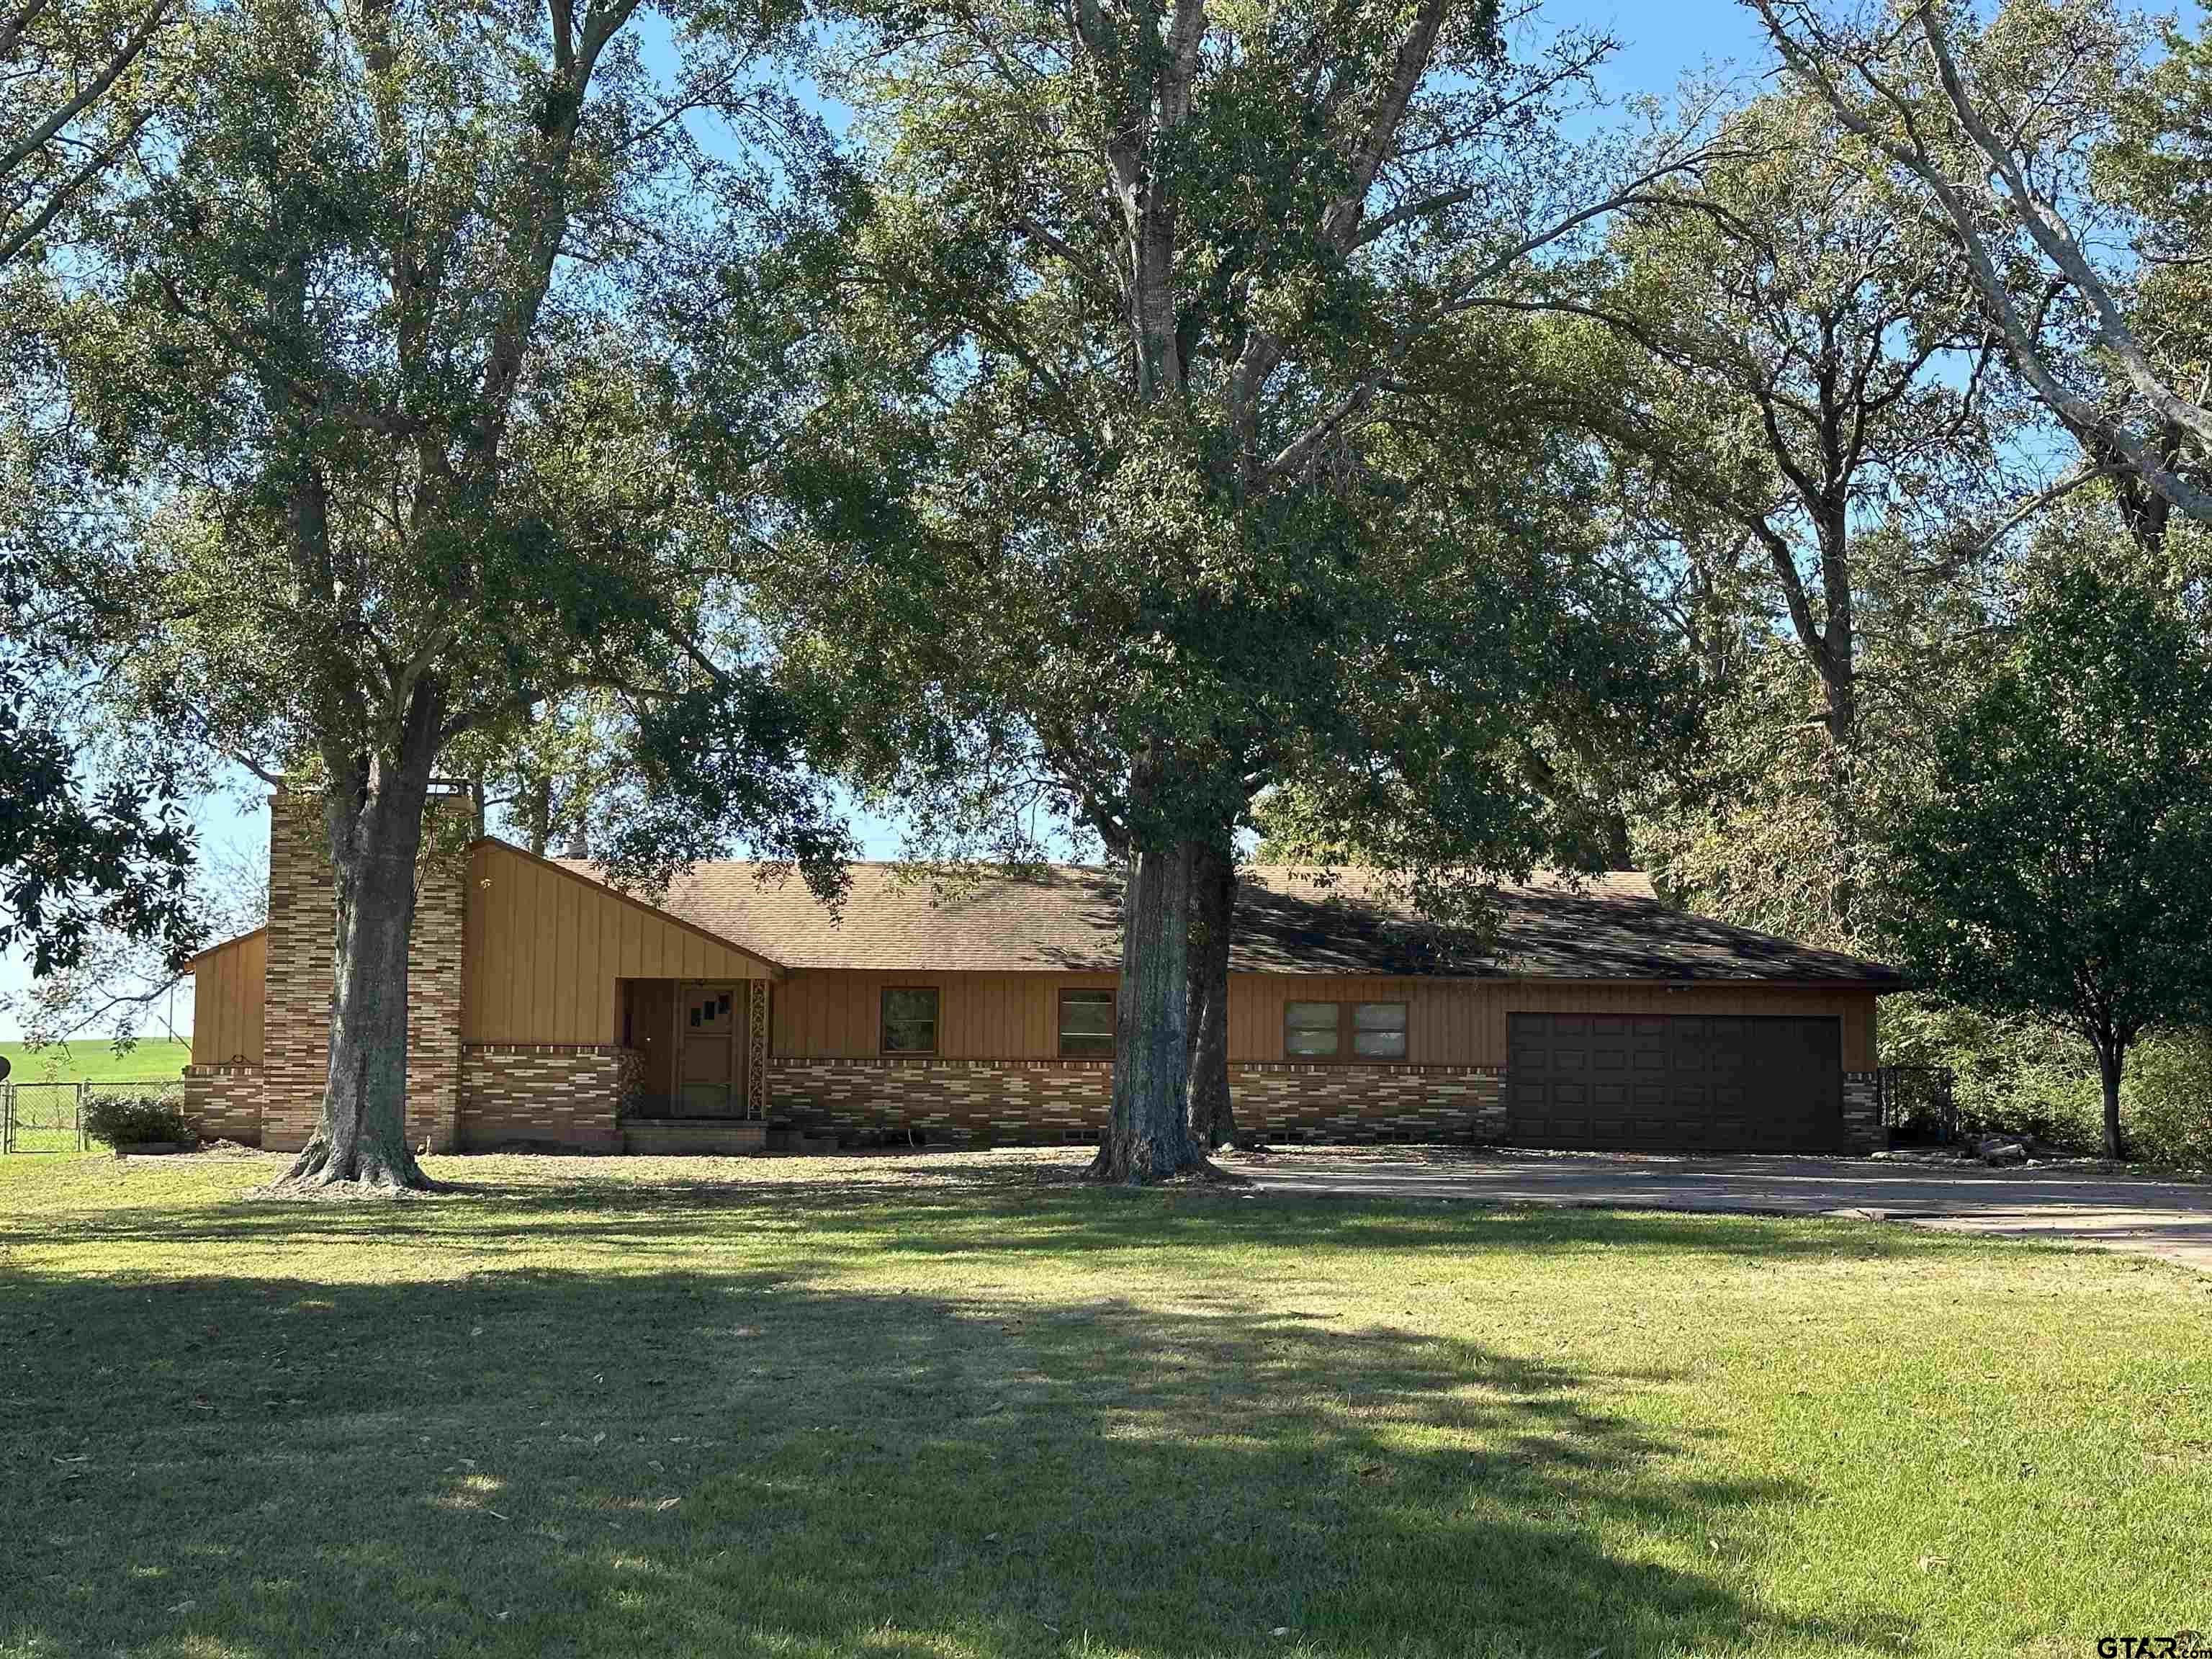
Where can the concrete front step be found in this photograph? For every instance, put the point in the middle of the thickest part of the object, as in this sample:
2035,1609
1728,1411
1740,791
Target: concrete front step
677,1135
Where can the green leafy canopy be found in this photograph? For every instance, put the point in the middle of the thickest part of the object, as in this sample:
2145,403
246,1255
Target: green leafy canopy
2058,867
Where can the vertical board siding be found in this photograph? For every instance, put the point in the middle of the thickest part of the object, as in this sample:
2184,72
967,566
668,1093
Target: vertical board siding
562,919
836,1014
833,1014
228,997
546,950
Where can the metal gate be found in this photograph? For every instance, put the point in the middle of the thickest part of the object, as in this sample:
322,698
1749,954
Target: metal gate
1918,1103
49,1117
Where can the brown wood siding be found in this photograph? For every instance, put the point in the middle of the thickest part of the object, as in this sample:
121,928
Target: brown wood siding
228,992
546,950
835,1014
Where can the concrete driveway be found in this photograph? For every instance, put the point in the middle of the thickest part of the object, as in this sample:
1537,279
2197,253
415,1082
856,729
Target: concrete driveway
2170,1219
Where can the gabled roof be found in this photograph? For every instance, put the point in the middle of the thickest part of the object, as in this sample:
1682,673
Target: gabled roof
1068,919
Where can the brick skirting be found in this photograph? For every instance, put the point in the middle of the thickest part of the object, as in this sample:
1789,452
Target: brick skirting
960,1102
1289,1101
223,1102
546,1094
1010,1103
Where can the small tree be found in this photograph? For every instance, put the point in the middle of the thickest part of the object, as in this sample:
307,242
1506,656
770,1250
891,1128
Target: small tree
2058,865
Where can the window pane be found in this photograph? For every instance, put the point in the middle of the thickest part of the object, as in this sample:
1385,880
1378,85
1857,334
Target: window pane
1378,1029
1310,1028
910,1002
915,1036
1086,1024
1090,1013
910,1019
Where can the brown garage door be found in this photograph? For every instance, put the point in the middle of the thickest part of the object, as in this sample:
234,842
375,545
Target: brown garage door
1676,1082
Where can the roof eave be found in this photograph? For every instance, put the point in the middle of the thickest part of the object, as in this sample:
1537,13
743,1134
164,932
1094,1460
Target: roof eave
198,957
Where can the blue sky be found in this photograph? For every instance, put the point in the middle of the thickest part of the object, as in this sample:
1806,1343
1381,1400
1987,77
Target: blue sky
1660,44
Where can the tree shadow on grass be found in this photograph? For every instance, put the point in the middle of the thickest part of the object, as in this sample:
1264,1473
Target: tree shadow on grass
744,1463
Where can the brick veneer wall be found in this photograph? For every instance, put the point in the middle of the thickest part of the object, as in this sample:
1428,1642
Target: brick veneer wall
1289,1101
960,1101
974,1103
546,1094
296,1005
1862,1126
223,1102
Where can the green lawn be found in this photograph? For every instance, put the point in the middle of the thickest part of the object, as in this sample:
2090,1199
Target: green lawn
957,1406
96,1062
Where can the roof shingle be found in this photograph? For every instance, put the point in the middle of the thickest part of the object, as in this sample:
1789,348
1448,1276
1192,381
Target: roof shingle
1068,919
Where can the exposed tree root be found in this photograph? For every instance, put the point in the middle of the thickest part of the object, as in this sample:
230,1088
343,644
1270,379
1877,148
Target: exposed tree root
326,1165
1103,1171
343,1192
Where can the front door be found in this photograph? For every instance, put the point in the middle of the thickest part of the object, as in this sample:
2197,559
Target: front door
710,1071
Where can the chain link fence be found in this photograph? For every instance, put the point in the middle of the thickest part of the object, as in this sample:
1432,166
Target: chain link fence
49,1117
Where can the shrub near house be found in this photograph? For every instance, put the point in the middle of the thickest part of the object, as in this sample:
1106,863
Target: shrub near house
123,1118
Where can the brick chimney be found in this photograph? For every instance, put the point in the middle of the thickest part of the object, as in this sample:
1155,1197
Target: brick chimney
303,930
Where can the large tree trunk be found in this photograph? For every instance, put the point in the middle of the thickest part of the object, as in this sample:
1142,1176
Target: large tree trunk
2146,512
1835,649
376,836
1148,1136
2112,1055
1829,644
1619,853
1213,903
537,815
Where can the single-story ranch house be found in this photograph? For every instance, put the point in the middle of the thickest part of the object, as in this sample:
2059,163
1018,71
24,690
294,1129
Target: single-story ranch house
548,1008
